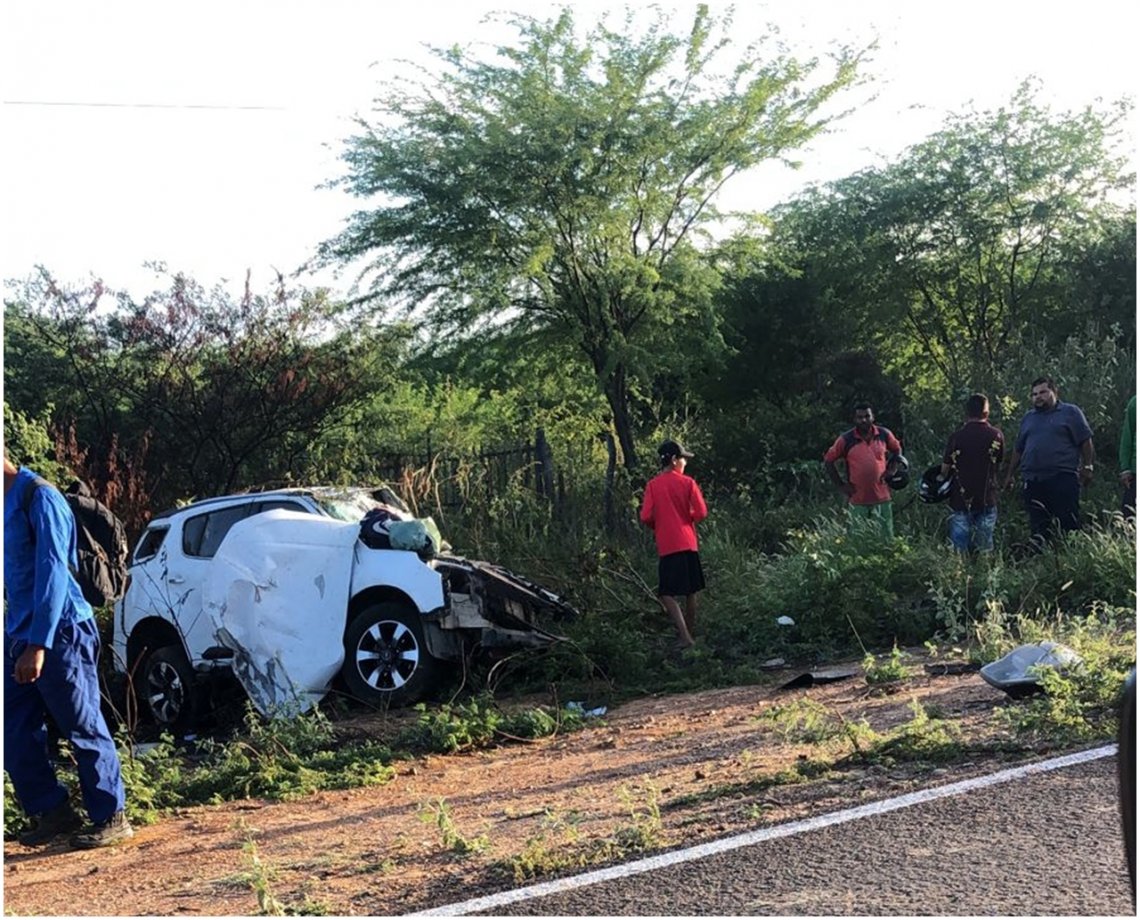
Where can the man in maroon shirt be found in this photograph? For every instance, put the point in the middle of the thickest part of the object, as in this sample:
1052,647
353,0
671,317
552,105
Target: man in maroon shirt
972,457
870,453
672,507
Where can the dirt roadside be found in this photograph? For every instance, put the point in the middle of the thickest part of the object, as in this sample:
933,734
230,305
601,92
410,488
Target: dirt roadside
663,772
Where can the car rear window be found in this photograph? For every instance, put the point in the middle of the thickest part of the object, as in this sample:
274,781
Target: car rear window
203,533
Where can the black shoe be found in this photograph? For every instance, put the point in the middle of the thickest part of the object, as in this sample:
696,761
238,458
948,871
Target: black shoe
46,827
114,830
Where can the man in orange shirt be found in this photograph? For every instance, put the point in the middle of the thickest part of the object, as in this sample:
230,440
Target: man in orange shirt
870,453
672,507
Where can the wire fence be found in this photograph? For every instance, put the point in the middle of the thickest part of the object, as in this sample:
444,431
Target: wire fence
451,480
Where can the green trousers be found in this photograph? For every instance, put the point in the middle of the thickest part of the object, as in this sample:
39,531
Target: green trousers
871,519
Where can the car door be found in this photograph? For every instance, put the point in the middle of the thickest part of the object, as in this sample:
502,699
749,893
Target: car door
188,566
201,536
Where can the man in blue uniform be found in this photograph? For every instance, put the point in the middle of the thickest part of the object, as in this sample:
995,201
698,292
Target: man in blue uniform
51,654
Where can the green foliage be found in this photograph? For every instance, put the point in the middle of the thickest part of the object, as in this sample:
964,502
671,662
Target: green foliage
988,597
555,848
283,759
155,779
452,726
837,588
208,393
15,821
479,722
439,814
805,721
964,248
260,878
559,845
1079,702
643,831
29,443
560,185
890,670
924,739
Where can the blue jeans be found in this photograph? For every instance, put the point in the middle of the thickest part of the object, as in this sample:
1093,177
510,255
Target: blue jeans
68,690
973,530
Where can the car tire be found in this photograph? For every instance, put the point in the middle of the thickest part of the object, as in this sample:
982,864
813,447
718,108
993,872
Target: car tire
386,661
167,687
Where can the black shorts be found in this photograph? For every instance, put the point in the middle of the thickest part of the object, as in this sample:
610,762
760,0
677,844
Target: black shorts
679,574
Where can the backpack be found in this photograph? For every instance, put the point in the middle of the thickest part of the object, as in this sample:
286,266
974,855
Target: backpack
101,541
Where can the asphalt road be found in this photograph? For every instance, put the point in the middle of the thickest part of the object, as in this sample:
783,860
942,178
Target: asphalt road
1045,844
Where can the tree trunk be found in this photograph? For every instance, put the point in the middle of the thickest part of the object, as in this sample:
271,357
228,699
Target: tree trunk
608,515
617,394
544,473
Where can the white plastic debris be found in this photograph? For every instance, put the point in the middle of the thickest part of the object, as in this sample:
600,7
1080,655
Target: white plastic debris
575,706
1019,672
785,621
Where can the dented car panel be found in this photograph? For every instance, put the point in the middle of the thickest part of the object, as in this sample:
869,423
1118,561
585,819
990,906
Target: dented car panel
396,567
276,595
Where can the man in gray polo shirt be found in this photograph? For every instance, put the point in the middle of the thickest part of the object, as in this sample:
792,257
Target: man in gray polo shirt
1055,451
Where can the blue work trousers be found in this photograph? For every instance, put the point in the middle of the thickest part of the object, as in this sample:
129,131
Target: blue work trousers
68,690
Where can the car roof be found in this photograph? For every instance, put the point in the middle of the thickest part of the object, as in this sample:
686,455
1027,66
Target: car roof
254,495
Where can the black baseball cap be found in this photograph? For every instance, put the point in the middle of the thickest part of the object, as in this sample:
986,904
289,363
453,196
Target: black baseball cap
670,449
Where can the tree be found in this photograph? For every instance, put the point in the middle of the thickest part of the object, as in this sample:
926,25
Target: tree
211,393
563,186
973,239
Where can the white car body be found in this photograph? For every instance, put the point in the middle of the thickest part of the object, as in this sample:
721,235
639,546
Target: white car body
273,586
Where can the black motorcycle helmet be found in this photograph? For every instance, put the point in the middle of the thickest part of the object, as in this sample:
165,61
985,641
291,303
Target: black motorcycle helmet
932,489
901,476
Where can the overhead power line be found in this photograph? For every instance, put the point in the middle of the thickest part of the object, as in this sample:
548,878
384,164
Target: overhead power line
146,105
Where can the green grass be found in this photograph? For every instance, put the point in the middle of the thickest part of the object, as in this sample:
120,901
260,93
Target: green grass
887,670
438,812
559,846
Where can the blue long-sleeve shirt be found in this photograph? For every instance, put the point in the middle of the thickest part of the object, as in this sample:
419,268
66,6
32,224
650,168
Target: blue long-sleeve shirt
39,556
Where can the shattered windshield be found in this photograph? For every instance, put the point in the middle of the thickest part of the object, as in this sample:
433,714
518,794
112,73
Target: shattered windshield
347,505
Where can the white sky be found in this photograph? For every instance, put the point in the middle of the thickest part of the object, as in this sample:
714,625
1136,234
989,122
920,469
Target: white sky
197,133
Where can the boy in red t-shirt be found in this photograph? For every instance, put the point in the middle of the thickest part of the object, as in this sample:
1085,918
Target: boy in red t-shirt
671,508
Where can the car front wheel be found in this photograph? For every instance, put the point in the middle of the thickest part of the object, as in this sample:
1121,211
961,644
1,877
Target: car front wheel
167,686
386,661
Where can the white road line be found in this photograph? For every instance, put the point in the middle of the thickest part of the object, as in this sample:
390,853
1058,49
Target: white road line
674,857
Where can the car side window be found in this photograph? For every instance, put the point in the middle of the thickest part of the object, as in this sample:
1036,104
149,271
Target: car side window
150,543
203,533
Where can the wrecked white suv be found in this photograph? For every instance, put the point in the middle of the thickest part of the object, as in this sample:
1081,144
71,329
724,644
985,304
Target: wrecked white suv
278,589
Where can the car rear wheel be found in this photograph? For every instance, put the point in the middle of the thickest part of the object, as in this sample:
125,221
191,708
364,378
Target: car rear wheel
166,685
386,661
